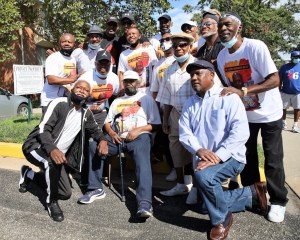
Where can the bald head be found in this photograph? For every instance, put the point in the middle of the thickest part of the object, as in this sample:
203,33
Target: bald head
67,41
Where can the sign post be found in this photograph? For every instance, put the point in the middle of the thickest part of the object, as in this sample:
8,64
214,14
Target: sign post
28,79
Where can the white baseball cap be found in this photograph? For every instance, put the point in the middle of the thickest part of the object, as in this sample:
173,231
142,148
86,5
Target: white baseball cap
131,75
191,23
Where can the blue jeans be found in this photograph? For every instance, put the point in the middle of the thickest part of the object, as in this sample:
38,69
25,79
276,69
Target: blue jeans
217,201
139,150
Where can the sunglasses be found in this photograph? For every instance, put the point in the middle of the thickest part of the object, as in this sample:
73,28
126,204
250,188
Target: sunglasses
167,39
181,45
206,24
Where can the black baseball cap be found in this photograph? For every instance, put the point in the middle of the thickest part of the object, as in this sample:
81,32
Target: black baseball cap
201,64
103,55
112,19
127,15
166,16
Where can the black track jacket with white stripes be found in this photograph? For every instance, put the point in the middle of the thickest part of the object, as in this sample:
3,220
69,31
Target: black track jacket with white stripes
47,133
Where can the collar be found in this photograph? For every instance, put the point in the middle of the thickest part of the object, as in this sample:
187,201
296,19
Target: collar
214,90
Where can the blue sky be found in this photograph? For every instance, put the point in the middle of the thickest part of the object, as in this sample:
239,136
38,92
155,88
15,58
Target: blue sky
177,14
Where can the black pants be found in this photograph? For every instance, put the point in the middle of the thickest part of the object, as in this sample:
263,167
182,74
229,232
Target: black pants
273,151
52,177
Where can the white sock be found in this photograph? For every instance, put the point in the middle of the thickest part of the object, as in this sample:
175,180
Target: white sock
295,124
284,121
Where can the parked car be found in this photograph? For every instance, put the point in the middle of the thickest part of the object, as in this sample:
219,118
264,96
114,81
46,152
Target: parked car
12,105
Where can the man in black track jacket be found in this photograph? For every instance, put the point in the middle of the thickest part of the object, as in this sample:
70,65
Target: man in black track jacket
56,146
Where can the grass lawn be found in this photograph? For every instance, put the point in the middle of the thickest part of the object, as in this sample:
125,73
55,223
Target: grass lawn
16,130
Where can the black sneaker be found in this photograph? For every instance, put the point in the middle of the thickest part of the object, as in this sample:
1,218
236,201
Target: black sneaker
55,212
24,180
145,210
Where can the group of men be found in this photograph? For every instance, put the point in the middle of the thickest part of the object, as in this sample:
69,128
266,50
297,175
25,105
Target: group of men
133,85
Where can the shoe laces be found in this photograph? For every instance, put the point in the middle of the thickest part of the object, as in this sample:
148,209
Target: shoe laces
91,193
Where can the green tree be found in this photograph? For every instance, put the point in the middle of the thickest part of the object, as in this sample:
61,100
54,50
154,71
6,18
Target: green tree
73,16
270,21
10,22
58,16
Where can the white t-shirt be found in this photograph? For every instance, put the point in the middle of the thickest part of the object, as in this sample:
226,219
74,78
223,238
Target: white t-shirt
82,61
60,66
102,89
71,129
142,61
158,72
155,41
135,111
91,54
251,64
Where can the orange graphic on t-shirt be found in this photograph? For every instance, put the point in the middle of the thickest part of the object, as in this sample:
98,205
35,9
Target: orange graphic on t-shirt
241,66
134,106
239,75
162,69
70,69
102,91
138,61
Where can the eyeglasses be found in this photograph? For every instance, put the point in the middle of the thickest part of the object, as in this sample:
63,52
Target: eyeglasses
167,39
181,45
206,24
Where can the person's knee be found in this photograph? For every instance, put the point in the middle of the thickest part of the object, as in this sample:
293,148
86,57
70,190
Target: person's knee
66,195
202,178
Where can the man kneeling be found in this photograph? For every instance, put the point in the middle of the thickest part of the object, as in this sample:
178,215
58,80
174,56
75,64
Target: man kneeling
215,129
55,146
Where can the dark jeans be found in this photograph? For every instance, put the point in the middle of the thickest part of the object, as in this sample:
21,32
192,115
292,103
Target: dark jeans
273,151
53,178
139,150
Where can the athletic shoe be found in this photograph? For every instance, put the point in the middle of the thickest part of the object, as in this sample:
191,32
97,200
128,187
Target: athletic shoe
276,213
91,196
284,126
179,189
172,176
145,210
24,180
295,129
55,211
192,197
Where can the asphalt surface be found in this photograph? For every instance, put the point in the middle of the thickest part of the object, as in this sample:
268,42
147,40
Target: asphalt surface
23,216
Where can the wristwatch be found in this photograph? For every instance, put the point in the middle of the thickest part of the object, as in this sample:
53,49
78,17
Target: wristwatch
245,90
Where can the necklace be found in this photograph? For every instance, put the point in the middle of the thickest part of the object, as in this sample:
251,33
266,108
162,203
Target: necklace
207,51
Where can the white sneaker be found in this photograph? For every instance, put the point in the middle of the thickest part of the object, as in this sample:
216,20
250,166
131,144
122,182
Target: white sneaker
295,129
192,197
172,176
284,126
179,189
276,213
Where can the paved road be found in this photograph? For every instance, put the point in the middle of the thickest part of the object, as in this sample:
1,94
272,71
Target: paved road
23,216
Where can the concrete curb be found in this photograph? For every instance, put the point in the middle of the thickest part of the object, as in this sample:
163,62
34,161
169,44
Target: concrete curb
11,150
